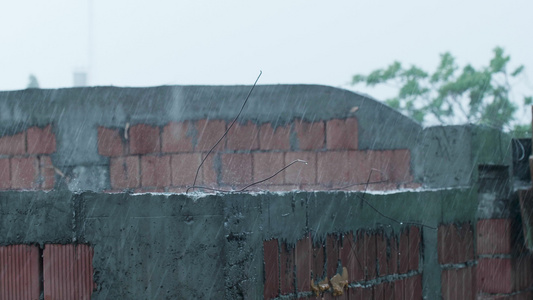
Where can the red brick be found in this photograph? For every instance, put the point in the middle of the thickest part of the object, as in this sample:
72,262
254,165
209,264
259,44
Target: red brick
276,187
209,170
370,256
318,262
332,254
399,289
209,132
356,293
13,144
47,172
300,173
449,244
494,236
67,271
449,285
403,265
267,164
414,248
274,139
184,166
271,260
287,269
468,280
176,137
310,187
236,168
413,287
379,291
348,168
124,172
360,253
342,134
334,168
144,139
494,275
466,236
24,173
453,245
393,258
350,259
400,166
41,140
389,290
5,174
19,275
368,293
110,142
303,264
310,135
178,190
243,137
155,171
381,249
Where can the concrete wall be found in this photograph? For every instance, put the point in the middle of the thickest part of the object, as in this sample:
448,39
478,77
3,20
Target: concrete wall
218,246
77,145
153,139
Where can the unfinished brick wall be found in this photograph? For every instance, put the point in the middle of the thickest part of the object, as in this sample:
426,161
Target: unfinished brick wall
57,272
505,266
25,162
457,260
377,266
150,158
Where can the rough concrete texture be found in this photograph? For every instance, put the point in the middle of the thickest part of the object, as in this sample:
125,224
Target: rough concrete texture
168,246
36,217
449,156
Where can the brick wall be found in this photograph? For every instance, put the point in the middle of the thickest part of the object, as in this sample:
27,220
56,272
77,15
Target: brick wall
151,158
25,161
457,259
57,272
376,266
505,266
499,268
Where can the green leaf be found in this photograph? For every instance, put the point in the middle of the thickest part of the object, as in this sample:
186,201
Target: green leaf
374,78
411,89
446,69
528,100
394,103
392,71
517,71
498,63
358,79
415,73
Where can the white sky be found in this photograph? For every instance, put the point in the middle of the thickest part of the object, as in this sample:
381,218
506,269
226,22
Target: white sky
160,42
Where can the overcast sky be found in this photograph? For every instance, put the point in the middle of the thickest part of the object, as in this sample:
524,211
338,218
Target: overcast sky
162,42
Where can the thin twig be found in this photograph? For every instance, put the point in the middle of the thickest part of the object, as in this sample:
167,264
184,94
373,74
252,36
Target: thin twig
251,184
281,170
225,133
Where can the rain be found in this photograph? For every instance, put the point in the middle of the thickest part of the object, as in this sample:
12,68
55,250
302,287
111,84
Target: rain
172,150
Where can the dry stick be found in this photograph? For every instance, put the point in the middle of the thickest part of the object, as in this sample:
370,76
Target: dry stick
366,184
251,184
362,198
257,182
225,133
